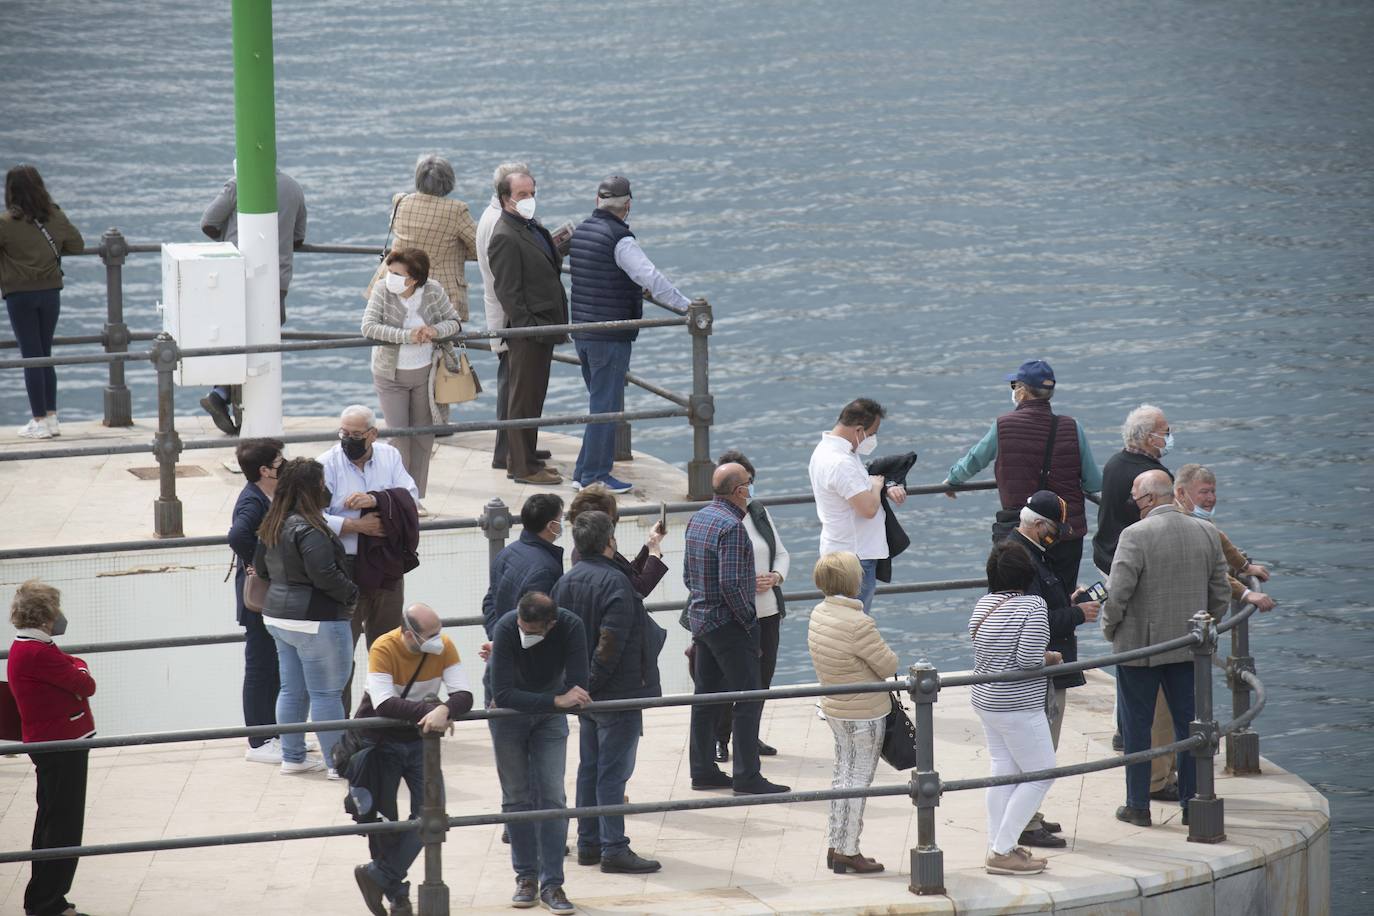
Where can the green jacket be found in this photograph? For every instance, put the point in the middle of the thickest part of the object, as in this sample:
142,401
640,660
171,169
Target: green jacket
26,259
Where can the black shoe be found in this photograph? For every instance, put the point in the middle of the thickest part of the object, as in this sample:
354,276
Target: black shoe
716,780
587,855
543,454
1166,794
218,410
555,901
761,786
1043,838
1140,817
767,750
1117,743
401,907
1185,817
372,891
498,465
629,863
722,752
505,835
526,893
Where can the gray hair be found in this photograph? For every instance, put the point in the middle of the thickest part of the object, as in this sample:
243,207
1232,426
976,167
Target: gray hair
592,533
1140,423
1029,517
434,175
362,412
1039,394
1191,472
506,169
617,205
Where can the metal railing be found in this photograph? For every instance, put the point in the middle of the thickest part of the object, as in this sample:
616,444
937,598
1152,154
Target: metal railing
698,407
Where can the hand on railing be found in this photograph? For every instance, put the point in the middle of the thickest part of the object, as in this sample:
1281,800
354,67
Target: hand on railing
1053,658
574,698
1252,595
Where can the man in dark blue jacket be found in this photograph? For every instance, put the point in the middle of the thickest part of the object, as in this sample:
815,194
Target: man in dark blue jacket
531,563
623,664
261,461
538,665
610,274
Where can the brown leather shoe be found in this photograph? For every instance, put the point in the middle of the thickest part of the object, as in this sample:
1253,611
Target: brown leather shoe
830,858
541,477
857,863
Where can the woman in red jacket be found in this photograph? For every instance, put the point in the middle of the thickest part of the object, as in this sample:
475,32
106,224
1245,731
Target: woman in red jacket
52,690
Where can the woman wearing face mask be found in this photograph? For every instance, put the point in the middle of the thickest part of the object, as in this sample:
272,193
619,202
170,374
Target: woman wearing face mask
408,311
52,690
307,609
846,648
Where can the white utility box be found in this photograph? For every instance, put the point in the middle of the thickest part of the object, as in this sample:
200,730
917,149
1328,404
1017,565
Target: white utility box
203,305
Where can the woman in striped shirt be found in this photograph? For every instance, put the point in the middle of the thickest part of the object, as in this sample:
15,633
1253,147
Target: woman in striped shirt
1010,631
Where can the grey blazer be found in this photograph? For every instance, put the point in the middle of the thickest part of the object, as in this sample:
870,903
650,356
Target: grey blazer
1168,566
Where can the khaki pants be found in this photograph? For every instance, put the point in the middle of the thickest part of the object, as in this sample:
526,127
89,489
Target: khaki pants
405,402
1163,770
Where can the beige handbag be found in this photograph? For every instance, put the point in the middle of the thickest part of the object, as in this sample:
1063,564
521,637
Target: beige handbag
455,381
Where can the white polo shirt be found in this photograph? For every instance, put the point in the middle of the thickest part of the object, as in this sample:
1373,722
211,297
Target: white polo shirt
837,474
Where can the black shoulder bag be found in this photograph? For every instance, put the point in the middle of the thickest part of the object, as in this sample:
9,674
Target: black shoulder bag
386,245
899,737
51,244
353,740
1007,519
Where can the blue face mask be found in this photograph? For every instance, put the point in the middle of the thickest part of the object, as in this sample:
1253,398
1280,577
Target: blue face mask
751,491
1204,513
1168,445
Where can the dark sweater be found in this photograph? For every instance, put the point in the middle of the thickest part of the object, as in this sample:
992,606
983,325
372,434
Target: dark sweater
1064,617
529,679
1116,512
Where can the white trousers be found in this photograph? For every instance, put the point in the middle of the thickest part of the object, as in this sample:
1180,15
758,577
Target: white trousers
858,743
1018,742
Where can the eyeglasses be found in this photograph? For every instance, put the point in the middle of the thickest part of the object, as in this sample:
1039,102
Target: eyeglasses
345,434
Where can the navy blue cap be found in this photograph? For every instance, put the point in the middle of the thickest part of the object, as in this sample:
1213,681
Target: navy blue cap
1048,505
1036,373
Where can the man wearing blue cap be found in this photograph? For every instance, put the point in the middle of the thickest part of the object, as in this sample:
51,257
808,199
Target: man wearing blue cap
1036,449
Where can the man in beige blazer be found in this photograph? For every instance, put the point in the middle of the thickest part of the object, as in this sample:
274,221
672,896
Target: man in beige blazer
1167,567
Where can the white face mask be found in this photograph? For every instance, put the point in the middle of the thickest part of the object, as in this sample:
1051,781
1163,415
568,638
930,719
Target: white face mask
868,445
525,207
530,640
395,282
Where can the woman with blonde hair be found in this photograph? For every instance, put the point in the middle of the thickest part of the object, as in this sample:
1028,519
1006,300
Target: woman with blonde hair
52,690
846,648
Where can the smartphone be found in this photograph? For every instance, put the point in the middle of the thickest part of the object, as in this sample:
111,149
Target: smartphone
663,518
1095,592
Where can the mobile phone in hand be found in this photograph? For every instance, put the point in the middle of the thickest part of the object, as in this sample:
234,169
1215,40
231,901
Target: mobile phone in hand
1095,592
662,518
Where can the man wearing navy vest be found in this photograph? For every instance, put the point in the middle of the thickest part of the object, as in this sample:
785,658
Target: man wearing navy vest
610,274
1018,442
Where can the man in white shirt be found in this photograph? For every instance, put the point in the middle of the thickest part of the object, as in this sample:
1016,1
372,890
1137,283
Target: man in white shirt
353,469
610,274
848,498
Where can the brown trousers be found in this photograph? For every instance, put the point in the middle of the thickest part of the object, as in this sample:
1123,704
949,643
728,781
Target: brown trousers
529,382
378,611
1163,770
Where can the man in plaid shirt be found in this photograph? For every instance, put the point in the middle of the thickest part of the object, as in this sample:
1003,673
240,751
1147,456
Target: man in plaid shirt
719,572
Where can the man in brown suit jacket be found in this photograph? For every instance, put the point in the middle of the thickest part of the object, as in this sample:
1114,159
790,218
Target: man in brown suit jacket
525,275
1167,567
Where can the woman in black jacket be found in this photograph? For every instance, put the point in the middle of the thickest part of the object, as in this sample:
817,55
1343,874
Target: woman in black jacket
309,602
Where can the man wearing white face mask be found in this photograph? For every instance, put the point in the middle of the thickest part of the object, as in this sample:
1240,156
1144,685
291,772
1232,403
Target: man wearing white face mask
525,265
848,498
1146,438
406,668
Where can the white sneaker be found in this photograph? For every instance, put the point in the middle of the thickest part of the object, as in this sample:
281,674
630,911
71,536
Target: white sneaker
51,421
420,510
36,429
333,774
310,764
267,752
820,713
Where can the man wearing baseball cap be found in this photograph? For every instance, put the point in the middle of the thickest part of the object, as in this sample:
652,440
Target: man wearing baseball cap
1036,449
610,275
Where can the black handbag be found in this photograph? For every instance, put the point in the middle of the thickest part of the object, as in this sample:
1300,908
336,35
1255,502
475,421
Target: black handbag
899,737
354,739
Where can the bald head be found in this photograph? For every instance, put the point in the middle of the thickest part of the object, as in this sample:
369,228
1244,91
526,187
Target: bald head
728,483
424,619
1151,489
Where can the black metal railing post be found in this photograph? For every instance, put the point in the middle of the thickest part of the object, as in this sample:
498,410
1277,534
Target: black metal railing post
622,442
701,405
167,522
115,334
433,826
927,860
495,523
1242,746
1205,812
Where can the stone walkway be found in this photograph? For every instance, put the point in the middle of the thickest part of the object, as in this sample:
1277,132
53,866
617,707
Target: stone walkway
768,859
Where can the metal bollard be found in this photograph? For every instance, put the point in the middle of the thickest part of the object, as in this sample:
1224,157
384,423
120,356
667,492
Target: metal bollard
167,521
433,826
113,250
1205,812
622,442
1242,747
701,404
495,520
927,860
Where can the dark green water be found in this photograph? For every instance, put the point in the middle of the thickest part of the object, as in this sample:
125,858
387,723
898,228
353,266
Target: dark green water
1170,201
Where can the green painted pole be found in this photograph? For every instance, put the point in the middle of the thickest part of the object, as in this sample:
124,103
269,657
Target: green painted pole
255,112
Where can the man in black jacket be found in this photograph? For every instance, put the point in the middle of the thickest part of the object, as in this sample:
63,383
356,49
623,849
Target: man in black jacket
621,666
531,563
1146,438
525,267
1044,520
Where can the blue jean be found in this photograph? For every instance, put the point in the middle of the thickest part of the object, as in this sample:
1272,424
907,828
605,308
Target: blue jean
33,315
1137,688
261,675
313,669
531,759
608,742
604,364
394,853
869,583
